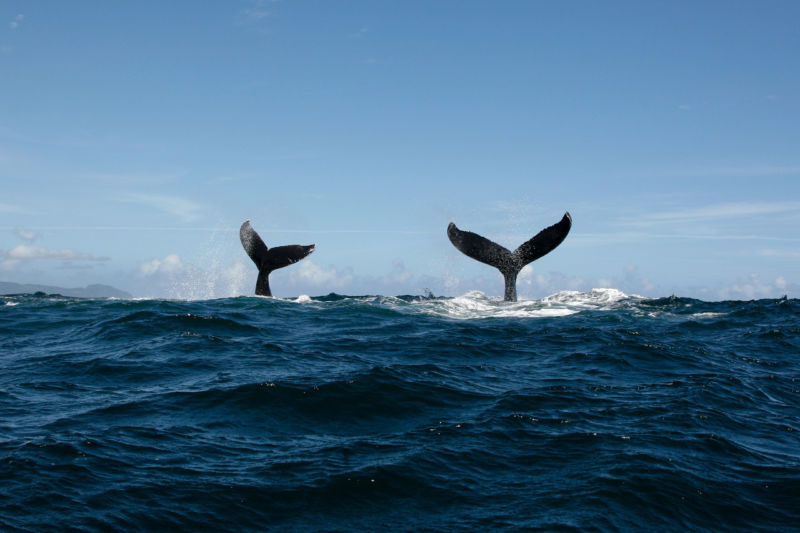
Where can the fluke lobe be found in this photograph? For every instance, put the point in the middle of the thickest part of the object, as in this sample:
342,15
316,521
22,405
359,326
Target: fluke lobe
269,259
510,263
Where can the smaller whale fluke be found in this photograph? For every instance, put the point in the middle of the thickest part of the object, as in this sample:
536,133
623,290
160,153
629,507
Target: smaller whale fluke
269,259
510,263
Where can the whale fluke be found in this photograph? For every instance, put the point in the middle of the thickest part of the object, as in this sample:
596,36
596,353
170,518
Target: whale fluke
269,259
507,262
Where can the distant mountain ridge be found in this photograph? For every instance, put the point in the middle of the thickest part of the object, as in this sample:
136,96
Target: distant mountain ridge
91,291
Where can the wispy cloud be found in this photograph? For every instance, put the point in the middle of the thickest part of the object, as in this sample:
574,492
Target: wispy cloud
255,13
751,288
20,255
185,209
26,234
13,209
779,254
626,237
14,24
744,171
135,178
233,177
720,211
25,252
71,138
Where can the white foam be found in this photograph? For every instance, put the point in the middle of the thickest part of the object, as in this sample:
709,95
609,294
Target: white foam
707,315
597,298
303,299
475,304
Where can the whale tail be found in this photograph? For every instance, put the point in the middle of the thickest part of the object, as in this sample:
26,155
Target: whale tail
269,259
507,262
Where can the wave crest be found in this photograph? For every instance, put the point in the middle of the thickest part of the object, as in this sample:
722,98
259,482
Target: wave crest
476,304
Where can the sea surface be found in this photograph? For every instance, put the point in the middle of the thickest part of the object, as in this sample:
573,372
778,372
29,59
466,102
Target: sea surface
589,411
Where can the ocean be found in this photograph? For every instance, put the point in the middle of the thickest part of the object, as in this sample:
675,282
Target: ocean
593,411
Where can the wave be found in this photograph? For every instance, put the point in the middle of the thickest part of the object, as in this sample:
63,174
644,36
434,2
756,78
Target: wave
475,304
405,412
472,305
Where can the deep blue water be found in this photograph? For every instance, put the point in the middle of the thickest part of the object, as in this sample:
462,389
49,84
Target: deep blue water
584,412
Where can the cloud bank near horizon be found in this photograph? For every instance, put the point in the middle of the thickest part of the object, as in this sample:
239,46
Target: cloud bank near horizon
171,277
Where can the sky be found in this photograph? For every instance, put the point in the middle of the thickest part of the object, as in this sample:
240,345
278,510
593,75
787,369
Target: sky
136,137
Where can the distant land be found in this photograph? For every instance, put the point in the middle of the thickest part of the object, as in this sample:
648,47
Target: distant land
91,291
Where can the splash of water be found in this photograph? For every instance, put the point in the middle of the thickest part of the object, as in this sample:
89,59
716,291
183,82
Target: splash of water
210,274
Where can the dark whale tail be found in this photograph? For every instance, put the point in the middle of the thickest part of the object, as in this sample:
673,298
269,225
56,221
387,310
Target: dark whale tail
269,259
510,263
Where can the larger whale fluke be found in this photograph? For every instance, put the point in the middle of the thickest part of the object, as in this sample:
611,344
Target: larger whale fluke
269,259
510,263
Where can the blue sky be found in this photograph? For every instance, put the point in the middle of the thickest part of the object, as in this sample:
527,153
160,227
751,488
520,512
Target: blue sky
136,137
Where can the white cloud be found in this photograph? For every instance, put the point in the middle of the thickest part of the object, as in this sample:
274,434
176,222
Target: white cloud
22,254
754,288
309,273
170,265
185,209
25,252
309,278
531,284
14,24
399,273
173,277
